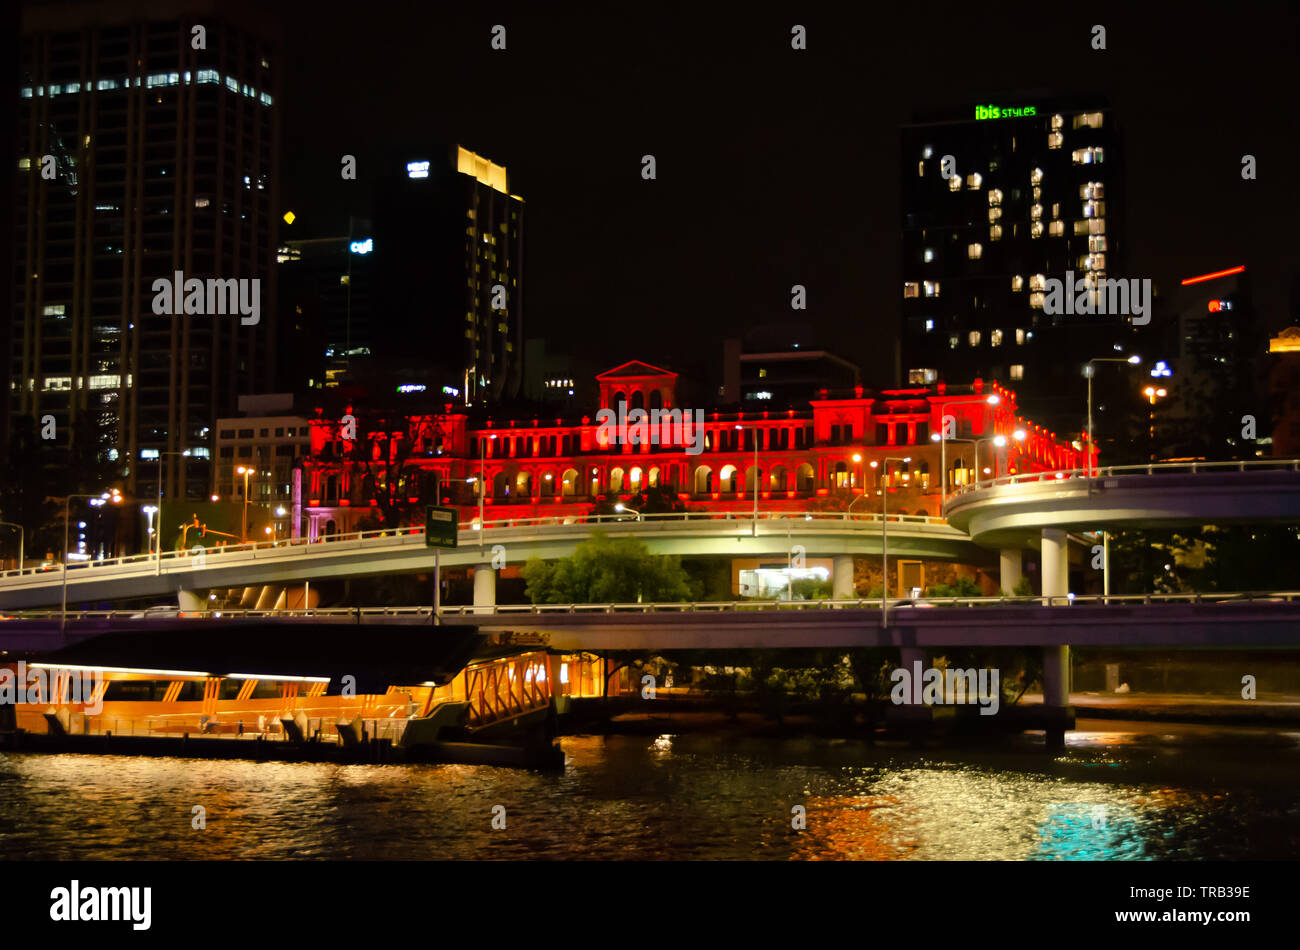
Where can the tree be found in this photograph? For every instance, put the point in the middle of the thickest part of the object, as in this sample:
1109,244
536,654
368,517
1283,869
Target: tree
606,570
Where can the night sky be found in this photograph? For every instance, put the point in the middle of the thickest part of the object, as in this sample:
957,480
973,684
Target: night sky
778,167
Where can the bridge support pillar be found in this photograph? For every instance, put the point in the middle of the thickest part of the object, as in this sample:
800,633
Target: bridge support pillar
842,587
191,600
485,585
1056,657
1011,569
266,599
1055,563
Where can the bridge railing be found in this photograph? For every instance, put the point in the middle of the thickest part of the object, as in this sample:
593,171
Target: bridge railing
499,529
1154,468
360,614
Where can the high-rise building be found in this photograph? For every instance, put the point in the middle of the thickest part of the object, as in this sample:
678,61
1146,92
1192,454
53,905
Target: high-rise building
148,148
998,199
449,254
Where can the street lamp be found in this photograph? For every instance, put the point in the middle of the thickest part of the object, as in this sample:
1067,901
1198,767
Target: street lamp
10,524
1089,372
862,494
243,531
621,507
884,537
754,435
1153,393
158,540
116,498
992,400
482,484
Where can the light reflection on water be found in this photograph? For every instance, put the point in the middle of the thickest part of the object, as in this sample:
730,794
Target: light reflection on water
1115,796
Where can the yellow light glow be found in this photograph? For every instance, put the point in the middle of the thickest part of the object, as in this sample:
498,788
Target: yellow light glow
289,217
489,173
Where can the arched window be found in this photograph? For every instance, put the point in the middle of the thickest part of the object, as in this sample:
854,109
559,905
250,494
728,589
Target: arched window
638,400
703,480
728,480
634,480
656,399
615,480
805,479
569,483
778,479
523,481
619,396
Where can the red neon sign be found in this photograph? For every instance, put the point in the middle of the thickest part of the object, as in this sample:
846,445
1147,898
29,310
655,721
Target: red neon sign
1217,273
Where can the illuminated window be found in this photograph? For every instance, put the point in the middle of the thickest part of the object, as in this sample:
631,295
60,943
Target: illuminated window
920,169
1056,210
974,251
927,152
1055,139
922,376
911,289
995,338
1038,195
1017,284
932,288
1056,228
953,341
994,214
954,183
1094,209
929,325
1036,301
1038,282
995,197
1017,371
1036,211
1087,120
973,180
1036,229
1096,243
928,255
995,232
1058,121
973,338
1036,176
1020,337
1087,156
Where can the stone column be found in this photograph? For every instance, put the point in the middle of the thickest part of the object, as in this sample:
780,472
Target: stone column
1011,571
842,578
485,585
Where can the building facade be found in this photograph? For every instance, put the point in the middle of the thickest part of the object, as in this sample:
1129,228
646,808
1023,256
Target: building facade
148,149
828,453
258,460
998,199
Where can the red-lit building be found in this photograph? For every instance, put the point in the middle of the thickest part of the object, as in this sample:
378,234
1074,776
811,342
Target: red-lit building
817,456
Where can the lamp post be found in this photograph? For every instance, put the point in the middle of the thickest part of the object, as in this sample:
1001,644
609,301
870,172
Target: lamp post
10,524
1153,393
862,494
482,484
621,507
158,540
992,400
115,497
1089,372
754,436
884,536
243,530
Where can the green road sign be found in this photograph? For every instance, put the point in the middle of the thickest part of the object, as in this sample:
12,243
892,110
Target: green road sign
440,527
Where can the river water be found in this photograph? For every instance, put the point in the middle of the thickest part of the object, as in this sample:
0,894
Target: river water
1133,792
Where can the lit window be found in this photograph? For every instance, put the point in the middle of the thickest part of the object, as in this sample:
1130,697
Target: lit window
920,169
973,180
1094,209
911,289
995,197
927,152
1017,284
1017,371
928,255
1058,121
994,214
953,341
1036,300
1038,195
995,338
1055,139
922,376
1036,176
974,251
929,325
1056,210
1087,156
973,338
1096,243
995,232
1020,337
1036,211
954,183
1038,282
1036,229
932,288
1087,120
1056,228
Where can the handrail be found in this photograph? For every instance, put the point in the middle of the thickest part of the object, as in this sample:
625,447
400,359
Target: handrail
414,535
1154,468
693,607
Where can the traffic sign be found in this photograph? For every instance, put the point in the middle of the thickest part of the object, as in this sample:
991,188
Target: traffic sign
440,527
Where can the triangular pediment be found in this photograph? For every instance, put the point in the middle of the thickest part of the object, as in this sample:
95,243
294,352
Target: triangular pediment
635,369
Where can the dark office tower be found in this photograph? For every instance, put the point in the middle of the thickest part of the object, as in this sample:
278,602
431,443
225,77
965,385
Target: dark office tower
1035,190
326,308
141,157
448,248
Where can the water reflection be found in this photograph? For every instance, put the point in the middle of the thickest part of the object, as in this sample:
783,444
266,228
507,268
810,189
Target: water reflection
1109,796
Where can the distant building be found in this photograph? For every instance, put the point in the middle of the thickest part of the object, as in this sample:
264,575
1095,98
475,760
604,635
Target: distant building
268,440
776,378
1035,190
449,255
164,160
1284,392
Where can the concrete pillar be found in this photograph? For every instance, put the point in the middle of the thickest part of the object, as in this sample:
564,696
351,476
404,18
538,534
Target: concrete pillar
191,599
842,587
908,658
1055,563
267,597
1011,570
485,585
